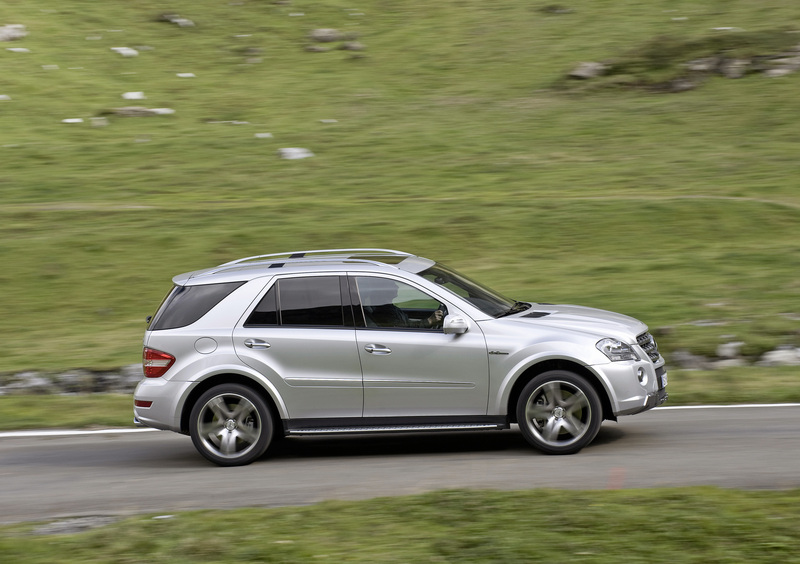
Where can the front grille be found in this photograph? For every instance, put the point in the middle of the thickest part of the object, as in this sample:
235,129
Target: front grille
646,341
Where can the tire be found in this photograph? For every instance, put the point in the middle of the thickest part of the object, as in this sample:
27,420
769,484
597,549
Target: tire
231,425
559,412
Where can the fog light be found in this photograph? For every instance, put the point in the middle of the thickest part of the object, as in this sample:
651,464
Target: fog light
641,376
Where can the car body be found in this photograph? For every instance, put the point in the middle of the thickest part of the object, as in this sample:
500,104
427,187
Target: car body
377,340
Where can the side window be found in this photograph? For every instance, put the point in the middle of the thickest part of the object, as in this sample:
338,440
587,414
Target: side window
266,312
186,304
455,288
313,301
391,304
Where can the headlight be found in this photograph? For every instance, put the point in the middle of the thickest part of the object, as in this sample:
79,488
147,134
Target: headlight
616,350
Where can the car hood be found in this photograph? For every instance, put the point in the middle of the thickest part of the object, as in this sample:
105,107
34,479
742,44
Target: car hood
582,319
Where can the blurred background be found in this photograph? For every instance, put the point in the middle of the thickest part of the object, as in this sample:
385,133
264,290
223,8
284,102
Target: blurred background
139,140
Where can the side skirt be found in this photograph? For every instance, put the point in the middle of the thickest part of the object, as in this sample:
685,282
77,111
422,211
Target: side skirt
353,425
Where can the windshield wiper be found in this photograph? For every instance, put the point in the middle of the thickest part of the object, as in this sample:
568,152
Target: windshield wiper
516,308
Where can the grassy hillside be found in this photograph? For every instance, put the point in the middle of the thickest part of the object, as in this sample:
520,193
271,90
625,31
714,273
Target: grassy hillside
450,141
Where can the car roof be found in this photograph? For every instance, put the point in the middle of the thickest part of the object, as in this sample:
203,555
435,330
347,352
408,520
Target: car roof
321,260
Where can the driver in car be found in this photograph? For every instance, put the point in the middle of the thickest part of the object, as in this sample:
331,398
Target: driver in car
382,312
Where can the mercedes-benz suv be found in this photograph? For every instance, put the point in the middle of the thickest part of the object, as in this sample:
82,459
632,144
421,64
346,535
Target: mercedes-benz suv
374,341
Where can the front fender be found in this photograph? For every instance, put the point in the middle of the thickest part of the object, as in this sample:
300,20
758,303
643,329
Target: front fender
505,371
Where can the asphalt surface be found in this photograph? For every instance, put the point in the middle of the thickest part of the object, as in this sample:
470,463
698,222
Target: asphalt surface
115,473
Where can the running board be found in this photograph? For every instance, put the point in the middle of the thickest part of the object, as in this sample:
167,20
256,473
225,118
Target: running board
398,428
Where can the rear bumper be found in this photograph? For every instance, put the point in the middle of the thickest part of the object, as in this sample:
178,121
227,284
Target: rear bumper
163,397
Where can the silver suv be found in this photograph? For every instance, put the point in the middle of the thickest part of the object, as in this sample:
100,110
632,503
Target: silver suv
375,340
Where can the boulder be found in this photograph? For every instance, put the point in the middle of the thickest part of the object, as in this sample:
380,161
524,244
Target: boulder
680,85
325,35
176,19
689,361
730,350
352,46
706,64
12,32
777,73
782,356
122,381
293,153
29,383
588,70
75,382
141,111
734,68
126,51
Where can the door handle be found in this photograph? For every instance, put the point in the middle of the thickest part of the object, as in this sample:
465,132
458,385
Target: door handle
378,349
256,344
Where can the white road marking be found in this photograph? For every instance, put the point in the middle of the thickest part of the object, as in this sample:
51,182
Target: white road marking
737,406
69,432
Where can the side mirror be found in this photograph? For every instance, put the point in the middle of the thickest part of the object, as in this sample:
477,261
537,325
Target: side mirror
455,325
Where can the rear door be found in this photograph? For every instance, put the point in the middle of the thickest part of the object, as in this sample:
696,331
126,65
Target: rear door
302,338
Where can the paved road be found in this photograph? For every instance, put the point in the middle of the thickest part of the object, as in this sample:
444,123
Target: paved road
120,474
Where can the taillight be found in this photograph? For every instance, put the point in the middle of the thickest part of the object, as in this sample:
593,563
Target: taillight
156,363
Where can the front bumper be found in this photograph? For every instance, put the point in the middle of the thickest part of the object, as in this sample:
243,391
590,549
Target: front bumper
628,393
653,400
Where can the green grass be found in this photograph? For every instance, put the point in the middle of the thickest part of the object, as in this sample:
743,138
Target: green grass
677,525
65,412
734,386
450,143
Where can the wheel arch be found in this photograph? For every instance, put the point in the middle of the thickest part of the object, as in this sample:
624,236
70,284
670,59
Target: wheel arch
229,378
557,364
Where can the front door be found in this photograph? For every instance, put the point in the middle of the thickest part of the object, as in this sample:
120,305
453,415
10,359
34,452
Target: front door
409,366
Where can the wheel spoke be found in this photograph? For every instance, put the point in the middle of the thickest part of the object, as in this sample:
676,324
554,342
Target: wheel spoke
242,410
248,434
228,444
211,428
552,391
219,408
551,429
573,426
537,412
577,401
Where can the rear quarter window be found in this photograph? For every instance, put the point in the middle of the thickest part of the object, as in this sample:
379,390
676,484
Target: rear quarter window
186,304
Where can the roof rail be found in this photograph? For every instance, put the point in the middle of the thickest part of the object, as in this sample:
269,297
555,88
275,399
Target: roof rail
333,253
276,260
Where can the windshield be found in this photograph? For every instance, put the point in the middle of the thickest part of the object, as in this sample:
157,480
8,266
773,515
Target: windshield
486,300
